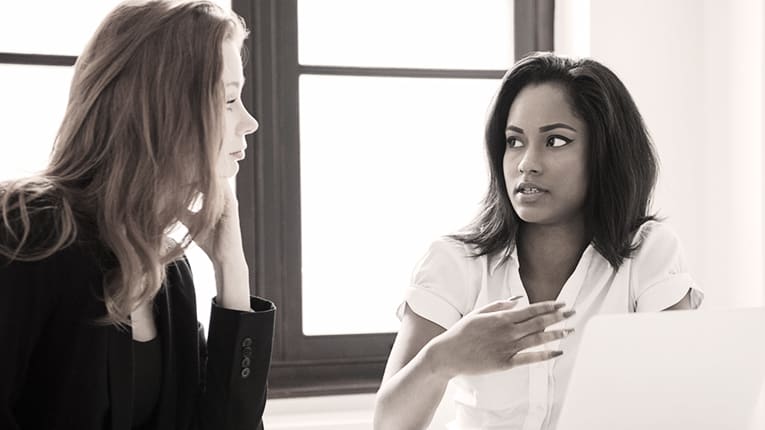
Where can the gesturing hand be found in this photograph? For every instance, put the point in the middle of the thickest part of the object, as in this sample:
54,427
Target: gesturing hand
491,338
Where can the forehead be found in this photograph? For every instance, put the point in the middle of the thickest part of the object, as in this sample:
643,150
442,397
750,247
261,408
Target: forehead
232,62
540,104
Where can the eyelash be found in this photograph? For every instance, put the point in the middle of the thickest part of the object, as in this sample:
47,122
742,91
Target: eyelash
511,141
229,103
551,139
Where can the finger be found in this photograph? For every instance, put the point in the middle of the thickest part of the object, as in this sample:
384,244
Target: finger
524,358
185,217
541,322
540,338
534,310
500,305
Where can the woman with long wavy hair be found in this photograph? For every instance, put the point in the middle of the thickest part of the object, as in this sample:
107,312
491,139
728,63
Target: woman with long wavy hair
97,309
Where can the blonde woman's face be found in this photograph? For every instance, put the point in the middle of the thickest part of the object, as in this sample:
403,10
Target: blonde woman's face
237,122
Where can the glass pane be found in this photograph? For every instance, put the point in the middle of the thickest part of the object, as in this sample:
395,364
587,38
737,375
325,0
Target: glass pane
440,34
50,26
53,26
387,166
32,106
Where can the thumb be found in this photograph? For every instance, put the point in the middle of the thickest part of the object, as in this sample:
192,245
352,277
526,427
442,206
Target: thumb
185,217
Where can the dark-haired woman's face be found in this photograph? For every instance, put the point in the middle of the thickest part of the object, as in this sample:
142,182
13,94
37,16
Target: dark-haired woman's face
545,162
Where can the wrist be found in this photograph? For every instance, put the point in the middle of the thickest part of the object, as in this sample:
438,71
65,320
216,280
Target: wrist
435,356
230,264
232,278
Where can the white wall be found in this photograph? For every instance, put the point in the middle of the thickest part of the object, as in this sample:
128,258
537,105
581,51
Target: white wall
695,70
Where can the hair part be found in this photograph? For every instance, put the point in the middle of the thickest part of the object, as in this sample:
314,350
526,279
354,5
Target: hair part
623,166
137,146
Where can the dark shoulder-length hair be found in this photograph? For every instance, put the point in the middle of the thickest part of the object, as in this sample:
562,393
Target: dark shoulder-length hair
622,162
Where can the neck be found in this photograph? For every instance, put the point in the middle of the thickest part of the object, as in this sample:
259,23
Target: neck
551,252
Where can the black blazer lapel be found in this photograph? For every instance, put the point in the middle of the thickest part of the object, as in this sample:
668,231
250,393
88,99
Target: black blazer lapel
120,365
167,402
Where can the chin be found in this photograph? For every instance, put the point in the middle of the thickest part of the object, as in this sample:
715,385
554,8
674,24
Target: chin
533,215
229,170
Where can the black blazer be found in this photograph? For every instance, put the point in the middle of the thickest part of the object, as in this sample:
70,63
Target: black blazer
61,370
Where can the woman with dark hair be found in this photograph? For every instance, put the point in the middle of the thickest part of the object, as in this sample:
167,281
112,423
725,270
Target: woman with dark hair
97,305
566,220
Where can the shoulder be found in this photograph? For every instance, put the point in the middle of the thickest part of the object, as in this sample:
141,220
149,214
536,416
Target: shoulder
34,220
446,253
444,283
70,274
660,275
448,264
660,254
656,241
452,247
39,229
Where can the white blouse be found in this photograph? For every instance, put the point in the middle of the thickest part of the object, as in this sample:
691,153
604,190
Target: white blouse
447,283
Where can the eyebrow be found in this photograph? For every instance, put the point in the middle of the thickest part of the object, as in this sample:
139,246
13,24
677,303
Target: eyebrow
543,128
554,126
236,83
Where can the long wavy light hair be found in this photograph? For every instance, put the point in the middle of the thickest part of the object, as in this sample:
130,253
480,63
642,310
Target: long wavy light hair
137,147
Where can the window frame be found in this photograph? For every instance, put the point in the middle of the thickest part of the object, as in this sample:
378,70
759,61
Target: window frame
268,187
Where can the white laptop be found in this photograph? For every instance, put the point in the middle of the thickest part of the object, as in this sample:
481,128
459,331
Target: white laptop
676,370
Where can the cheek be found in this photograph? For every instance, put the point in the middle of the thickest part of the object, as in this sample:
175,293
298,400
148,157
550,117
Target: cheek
227,124
578,182
509,165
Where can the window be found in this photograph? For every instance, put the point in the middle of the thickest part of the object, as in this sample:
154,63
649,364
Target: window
370,146
311,192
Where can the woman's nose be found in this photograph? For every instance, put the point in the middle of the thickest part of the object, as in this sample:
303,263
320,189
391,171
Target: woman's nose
530,163
249,125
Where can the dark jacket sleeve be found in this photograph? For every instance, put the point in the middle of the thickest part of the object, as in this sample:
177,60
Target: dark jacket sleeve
238,357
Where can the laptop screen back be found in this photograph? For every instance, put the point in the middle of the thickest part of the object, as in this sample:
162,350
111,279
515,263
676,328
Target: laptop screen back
669,370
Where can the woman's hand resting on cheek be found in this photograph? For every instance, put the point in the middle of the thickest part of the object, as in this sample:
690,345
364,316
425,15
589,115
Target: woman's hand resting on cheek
223,245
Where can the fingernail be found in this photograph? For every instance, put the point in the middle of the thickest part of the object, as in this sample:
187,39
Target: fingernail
514,298
559,305
557,353
568,314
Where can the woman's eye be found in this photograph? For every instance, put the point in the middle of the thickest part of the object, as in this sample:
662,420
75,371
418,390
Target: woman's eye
514,142
230,103
558,141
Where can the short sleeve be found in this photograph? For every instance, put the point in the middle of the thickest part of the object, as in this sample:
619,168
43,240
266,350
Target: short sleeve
660,276
442,288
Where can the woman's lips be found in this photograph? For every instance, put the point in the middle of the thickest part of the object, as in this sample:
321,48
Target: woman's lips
239,155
